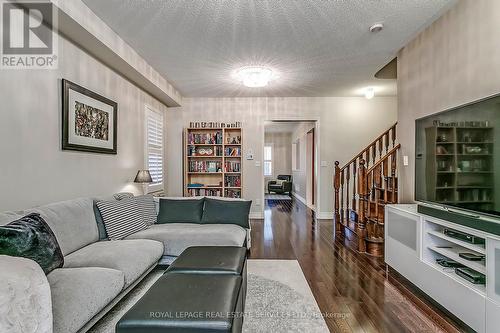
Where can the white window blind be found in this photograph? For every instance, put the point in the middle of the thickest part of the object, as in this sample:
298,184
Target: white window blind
154,127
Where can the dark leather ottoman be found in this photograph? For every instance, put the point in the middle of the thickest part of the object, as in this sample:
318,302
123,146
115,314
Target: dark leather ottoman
187,303
230,260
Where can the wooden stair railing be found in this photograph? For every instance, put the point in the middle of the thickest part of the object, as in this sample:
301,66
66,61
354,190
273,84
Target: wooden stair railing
362,189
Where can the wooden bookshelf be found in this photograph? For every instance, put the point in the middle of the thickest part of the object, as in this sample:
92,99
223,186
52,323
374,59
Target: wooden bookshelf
213,162
460,166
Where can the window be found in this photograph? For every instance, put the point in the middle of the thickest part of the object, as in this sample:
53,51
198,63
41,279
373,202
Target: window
268,160
154,141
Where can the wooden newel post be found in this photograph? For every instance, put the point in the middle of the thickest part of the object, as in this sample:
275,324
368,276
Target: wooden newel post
363,206
336,186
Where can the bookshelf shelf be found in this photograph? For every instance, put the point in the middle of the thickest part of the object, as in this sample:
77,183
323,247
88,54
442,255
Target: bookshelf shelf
460,164
224,153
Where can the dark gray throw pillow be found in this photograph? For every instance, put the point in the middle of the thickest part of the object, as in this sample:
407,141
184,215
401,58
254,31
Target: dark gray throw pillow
31,237
180,211
100,223
227,212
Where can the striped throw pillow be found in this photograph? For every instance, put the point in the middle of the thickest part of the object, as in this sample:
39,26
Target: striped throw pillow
121,218
147,207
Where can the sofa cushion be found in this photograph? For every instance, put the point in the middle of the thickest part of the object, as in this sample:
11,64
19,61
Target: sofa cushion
26,305
72,221
180,211
78,294
30,237
132,257
121,218
7,217
227,212
176,237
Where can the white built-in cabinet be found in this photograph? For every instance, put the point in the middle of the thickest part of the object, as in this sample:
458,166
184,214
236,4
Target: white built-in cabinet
413,243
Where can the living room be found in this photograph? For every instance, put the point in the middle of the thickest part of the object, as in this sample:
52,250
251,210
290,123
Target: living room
135,139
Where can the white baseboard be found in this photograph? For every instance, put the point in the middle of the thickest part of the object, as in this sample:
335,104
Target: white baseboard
301,199
256,215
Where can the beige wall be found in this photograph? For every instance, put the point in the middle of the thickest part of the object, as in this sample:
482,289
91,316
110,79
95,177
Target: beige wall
454,61
33,168
282,154
346,125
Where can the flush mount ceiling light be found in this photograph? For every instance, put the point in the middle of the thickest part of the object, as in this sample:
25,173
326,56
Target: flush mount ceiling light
255,76
370,92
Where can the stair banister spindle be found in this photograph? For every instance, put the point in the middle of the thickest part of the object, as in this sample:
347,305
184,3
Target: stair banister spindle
362,189
385,171
354,171
393,137
380,147
348,198
374,152
342,208
386,142
336,185
394,157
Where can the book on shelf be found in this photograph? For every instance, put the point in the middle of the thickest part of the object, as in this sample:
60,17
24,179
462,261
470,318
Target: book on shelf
232,166
205,138
205,166
194,185
196,192
232,151
230,193
232,181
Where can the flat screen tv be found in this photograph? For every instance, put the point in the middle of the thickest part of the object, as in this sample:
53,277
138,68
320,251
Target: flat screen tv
458,157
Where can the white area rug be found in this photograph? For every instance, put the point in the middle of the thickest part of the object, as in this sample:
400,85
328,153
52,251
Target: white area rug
278,300
277,197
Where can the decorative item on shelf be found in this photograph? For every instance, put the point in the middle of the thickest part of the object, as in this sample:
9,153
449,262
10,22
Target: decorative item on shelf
89,120
213,124
143,177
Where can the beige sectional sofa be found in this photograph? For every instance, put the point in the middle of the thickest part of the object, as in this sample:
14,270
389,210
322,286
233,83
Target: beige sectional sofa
96,274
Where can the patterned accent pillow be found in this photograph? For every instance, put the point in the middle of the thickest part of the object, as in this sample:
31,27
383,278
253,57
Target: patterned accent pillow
123,195
147,207
121,218
31,237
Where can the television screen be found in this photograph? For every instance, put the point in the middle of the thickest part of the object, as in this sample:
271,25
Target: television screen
458,157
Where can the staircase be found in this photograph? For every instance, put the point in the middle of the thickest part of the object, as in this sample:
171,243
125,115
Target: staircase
363,187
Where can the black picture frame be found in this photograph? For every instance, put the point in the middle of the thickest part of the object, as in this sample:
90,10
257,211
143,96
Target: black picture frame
66,144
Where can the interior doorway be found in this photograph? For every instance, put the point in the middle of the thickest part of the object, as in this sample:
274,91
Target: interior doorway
290,162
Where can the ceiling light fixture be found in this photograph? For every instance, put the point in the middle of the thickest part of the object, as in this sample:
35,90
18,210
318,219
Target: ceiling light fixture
255,76
376,27
369,92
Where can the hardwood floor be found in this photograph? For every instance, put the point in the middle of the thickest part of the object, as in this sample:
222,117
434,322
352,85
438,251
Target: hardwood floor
351,289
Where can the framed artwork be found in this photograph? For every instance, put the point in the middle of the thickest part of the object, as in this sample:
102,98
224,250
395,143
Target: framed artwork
89,120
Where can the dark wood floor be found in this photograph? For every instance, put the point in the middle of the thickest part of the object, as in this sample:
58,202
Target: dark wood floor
352,289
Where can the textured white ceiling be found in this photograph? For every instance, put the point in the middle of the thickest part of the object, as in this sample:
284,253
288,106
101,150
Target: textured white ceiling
318,47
